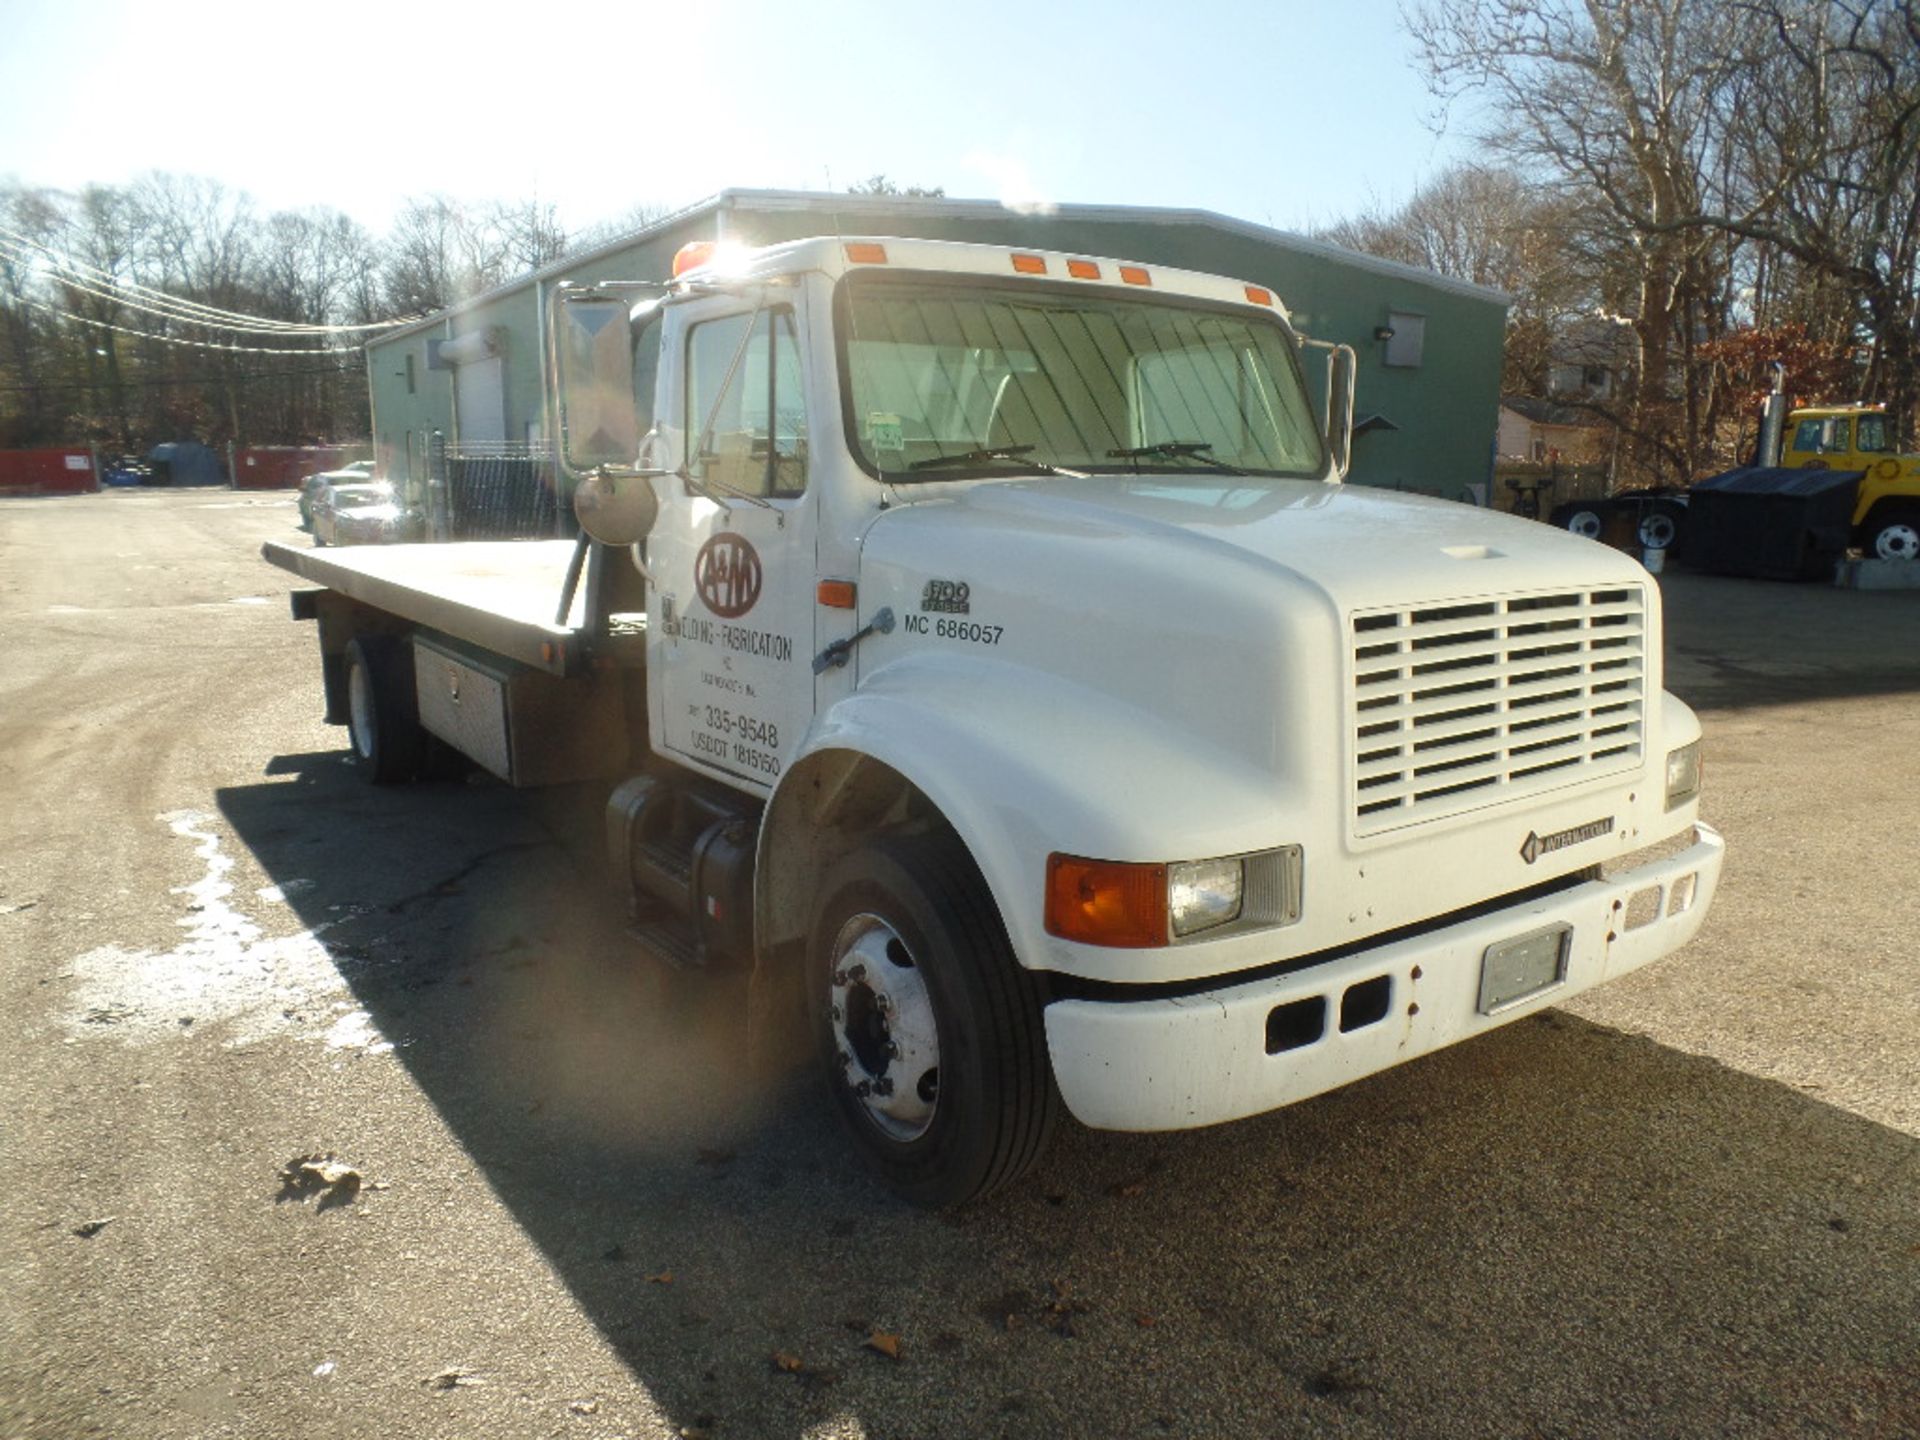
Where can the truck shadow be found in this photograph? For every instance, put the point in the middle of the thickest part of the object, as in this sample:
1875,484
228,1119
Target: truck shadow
1735,644
1561,1228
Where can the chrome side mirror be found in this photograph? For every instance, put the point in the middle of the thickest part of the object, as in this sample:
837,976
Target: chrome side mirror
592,349
1338,410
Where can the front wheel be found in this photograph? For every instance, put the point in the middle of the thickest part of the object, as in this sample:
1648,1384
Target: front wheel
1898,538
930,1030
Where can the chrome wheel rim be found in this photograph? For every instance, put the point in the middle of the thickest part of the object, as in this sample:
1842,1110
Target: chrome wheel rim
883,1028
1897,542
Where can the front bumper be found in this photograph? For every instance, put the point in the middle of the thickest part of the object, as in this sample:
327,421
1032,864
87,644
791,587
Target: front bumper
1193,1060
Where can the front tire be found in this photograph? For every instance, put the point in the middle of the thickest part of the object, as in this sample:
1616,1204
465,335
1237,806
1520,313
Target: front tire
1897,537
383,720
929,1028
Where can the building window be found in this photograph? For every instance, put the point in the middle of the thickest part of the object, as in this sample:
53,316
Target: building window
1406,347
410,372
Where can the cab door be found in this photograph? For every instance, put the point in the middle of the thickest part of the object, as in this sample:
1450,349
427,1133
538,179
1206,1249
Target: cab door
732,553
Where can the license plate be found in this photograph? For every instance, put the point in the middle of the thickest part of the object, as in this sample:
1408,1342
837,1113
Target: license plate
1517,970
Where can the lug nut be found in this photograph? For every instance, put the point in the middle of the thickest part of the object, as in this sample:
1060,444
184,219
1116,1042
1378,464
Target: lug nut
893,1050
863,1089
857,972
883,1086
882,1003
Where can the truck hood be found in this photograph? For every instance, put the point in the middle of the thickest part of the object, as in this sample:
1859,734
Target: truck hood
1216,612
1357,545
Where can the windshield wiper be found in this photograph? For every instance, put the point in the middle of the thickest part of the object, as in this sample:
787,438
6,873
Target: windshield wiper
993,452
1176,450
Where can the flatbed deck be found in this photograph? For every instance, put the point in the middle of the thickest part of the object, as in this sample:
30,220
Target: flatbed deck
498,594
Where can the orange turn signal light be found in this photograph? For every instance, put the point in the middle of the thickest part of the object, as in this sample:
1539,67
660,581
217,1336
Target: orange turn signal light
835,594
1083,270
692,255
1030,264
1259,296
1107,902
1134,275
866,252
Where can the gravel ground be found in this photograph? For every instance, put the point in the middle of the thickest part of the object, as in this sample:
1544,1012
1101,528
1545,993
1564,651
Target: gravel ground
1688,1204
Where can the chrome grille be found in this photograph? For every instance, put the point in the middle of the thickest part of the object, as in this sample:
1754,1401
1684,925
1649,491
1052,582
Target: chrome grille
1476,702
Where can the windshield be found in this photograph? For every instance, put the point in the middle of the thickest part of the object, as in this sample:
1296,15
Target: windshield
948,378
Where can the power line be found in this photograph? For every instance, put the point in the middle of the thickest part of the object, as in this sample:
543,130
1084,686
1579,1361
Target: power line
216,318
173,340
142,383
165,314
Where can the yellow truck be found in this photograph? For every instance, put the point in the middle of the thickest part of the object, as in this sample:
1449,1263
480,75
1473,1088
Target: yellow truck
1886,511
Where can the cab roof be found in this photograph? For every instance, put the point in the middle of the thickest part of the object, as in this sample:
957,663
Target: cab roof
841,255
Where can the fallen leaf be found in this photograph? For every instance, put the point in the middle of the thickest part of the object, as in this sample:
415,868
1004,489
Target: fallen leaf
334,1181
887,1344
787,1361
87,1229
451,1378
665,1277
1146,1321
584,1407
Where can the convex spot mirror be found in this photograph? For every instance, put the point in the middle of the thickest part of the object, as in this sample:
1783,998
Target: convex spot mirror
615,508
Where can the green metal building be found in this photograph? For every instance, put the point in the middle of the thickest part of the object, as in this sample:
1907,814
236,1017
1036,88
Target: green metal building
1429,347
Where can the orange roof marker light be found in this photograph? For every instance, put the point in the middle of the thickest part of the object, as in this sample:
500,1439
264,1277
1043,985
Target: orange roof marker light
693,255
835,594
866,252
1259,296
1030,264
1134,275
1083,270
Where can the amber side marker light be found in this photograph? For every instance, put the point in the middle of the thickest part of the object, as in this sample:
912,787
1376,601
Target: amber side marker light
1083,270
865,252
1107,902
1259,296
1134,275
836,594
1030,264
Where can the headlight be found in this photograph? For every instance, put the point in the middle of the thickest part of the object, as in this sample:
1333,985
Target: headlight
1204,893
1683,775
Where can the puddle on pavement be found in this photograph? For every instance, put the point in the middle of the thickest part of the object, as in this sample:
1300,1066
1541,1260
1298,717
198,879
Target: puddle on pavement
226,972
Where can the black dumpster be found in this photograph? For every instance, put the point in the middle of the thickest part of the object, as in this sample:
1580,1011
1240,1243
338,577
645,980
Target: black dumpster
1771,522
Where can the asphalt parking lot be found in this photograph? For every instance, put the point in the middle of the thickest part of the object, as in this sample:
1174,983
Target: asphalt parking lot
1688,1204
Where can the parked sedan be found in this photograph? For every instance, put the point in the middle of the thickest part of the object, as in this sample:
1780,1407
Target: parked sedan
355,473
368,513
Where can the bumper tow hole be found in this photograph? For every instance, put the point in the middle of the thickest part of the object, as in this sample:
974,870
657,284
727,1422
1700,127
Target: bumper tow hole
1297,1023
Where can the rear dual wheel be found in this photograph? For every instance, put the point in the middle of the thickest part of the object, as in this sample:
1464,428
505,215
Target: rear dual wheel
383,717
930,1029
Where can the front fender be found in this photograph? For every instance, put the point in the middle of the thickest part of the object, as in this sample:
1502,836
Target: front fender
1023,764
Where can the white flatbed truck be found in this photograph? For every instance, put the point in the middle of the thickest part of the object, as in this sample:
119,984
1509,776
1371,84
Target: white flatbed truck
979,648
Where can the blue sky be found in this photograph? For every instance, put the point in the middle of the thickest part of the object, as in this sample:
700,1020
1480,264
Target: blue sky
1288,114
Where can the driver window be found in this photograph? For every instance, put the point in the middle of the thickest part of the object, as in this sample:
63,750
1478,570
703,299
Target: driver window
746,413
